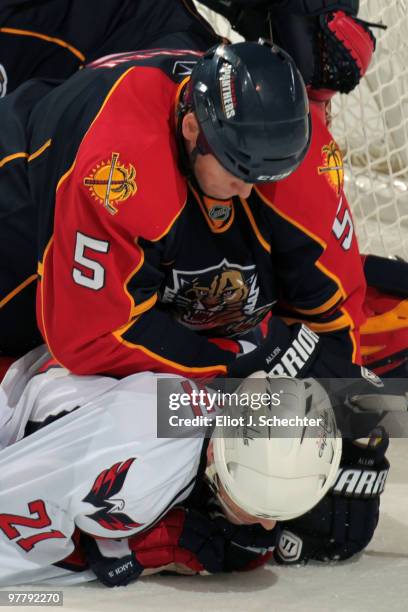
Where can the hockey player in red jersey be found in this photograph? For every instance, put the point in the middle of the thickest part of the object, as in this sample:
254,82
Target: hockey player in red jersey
148,252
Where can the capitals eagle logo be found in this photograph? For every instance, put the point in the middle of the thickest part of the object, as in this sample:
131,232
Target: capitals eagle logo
106,486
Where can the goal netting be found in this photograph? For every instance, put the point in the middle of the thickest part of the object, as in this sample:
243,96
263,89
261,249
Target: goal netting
371,127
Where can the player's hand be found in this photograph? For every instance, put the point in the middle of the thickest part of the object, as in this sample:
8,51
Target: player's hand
111,567
204,542
344,521
185,541
224,547
247,546
119,562
286,350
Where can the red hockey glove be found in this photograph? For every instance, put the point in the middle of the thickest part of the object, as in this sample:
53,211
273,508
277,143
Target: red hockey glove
119,562
355,36
344,521
345,52
184,542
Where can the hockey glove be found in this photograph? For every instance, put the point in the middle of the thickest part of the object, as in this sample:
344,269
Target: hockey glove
112,561
223,547
344,521
119,562
295,350
247,546
184,542
289,350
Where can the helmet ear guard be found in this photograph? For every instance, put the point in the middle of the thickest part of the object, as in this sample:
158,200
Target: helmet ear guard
279,477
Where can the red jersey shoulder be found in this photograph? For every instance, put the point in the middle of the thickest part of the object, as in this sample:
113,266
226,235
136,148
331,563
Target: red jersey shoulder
311,195
126,167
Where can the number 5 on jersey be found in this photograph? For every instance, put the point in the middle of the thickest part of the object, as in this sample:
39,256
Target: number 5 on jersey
92,273
343,227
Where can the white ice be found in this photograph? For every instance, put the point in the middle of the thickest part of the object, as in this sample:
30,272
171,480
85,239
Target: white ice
376,581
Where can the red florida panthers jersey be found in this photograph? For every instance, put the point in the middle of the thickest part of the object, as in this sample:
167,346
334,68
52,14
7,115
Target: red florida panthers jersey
137,269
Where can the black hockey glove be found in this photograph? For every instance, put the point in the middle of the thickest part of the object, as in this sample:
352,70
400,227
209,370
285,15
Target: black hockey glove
223,547
247,546
288,350
295,350
344,521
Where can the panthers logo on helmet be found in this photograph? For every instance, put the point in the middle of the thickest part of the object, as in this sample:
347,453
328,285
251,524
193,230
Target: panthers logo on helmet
112,182
227,87
333,168
106,486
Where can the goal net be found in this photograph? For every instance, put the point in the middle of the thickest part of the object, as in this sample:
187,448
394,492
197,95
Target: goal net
371,127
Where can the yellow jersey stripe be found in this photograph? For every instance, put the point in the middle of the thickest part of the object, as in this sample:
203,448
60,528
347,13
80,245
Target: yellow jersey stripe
52,39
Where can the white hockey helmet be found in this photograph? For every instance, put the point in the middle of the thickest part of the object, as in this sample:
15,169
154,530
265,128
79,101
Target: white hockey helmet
279,477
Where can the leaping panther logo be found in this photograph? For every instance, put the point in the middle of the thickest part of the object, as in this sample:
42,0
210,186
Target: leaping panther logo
221,299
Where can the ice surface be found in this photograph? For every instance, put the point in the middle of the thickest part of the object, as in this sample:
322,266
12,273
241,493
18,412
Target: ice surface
377,581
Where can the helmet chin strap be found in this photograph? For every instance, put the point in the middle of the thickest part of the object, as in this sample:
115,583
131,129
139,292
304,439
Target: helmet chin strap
193,156
187,160
201,148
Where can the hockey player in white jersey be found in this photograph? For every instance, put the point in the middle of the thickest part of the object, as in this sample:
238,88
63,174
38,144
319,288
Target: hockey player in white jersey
86,484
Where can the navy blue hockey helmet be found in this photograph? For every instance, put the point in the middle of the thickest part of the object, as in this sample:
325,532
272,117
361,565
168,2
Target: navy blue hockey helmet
252,107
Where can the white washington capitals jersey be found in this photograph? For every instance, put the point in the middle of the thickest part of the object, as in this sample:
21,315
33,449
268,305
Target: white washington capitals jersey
100,467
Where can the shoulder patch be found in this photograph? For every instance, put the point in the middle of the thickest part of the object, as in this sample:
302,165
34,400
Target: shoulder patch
332,166
111,182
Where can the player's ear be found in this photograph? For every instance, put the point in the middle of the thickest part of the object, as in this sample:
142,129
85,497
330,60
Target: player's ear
190,128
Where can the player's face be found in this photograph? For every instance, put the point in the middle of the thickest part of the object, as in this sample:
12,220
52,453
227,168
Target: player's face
215,181
237,516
